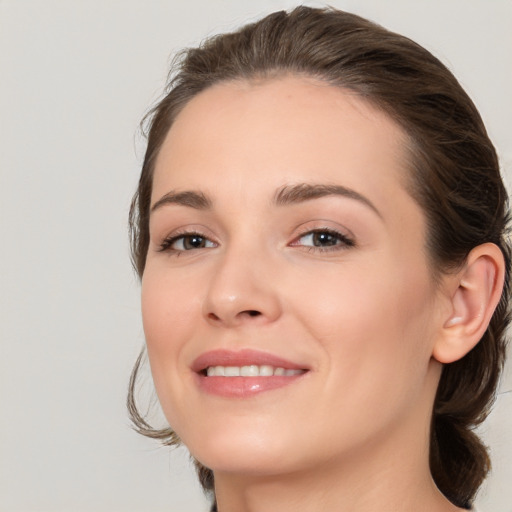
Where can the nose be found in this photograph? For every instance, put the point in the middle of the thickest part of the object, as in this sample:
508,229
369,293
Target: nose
242,290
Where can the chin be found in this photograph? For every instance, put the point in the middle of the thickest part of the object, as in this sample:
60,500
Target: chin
243,453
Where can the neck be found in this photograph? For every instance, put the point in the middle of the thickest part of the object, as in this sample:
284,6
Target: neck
354,486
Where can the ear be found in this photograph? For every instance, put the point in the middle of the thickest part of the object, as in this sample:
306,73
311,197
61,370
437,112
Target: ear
475,292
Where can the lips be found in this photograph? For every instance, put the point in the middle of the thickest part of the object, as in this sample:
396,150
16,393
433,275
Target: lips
246,357
244,373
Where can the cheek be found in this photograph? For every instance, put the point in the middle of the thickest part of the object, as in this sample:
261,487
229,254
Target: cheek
375,334
157,312
169,316
370,319
167,308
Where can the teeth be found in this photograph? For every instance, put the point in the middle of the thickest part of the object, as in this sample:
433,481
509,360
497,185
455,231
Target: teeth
249,371
232,371
266,371
252,370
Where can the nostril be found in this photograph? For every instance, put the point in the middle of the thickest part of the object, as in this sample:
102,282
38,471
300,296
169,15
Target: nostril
228,317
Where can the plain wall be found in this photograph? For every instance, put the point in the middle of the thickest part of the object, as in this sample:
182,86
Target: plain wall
75,79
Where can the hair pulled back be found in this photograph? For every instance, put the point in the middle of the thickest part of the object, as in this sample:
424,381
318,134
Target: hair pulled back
454,177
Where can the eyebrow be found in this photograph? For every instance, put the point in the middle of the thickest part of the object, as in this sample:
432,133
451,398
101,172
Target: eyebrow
189,198
287,195
292,194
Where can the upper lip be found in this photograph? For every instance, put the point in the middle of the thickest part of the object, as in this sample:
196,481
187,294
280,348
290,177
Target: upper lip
244,357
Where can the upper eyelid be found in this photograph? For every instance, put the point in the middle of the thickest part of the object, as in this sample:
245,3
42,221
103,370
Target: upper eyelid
189,230
319,225
304,229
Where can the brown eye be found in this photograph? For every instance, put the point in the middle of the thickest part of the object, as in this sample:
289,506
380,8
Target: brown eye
189,242
324,239
186,242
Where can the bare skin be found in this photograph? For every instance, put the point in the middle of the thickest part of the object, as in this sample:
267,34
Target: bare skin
336,282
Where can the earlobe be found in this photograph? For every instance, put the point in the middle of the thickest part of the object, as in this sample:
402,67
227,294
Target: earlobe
476,291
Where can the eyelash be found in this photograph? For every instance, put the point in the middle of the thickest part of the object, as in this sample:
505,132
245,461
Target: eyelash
342,241
166,245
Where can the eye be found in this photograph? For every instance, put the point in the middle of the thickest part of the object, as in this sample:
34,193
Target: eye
326,239
186,242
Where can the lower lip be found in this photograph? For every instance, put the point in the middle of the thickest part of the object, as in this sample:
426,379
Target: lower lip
243,387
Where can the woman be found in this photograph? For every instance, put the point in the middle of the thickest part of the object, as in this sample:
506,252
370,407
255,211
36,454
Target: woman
320,232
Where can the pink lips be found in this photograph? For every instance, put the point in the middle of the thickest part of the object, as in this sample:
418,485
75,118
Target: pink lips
242,387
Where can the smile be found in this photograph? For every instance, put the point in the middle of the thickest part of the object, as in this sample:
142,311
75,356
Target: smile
244,373
252,370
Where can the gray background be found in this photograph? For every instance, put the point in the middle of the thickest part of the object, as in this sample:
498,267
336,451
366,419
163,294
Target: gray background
75,79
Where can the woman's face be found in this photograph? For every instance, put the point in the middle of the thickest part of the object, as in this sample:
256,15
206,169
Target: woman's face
285,246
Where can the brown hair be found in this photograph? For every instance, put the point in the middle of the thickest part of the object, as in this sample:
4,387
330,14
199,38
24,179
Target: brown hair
454,177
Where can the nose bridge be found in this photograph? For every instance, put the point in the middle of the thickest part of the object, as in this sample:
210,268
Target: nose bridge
241,288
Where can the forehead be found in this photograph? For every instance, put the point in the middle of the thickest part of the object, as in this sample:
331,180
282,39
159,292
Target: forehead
278,131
